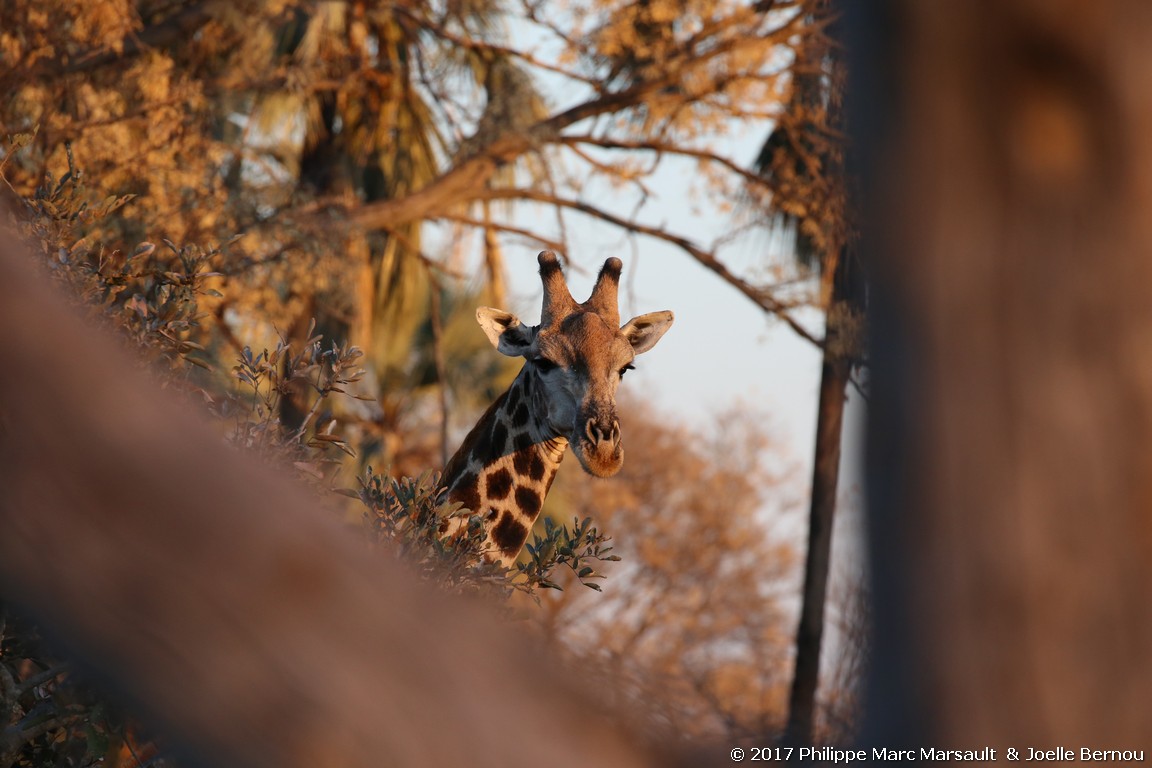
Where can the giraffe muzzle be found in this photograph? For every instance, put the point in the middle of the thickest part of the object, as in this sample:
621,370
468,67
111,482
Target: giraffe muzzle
599,449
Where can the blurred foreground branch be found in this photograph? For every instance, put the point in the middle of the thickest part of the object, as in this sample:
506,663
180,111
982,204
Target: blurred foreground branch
212,595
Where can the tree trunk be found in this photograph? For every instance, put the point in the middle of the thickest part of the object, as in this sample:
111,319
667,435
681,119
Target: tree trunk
1008,151
836,369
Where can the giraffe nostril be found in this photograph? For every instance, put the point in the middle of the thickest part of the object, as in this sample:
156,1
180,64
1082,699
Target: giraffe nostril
599,432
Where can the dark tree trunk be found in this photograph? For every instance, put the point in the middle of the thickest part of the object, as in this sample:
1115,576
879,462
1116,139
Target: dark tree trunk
834,378
825,478
323,164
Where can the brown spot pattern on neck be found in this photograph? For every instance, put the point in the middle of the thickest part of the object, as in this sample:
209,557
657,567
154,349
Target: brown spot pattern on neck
503,471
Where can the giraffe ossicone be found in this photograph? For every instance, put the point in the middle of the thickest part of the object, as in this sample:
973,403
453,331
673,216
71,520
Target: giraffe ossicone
565,395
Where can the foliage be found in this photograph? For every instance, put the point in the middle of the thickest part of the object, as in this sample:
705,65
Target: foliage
52,716
268,377
47,719
152,298
407,514
575,548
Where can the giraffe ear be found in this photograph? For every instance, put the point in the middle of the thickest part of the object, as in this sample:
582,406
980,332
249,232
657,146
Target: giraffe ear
644,331
510,336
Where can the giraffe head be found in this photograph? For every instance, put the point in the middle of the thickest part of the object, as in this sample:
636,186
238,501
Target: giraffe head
576,358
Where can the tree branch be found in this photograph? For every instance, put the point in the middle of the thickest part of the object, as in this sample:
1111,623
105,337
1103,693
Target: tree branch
661,148
465,181
760,296
43,677
547,242
439,30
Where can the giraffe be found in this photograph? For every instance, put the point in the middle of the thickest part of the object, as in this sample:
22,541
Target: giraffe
565,395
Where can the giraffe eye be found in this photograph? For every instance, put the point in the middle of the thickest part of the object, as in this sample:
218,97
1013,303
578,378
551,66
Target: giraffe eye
544,365
627,368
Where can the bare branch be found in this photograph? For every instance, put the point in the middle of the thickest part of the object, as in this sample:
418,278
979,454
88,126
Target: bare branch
471,43
614,172
760,296
466,180
661,148
547,242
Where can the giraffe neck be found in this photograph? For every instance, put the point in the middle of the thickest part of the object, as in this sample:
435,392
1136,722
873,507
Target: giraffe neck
503,470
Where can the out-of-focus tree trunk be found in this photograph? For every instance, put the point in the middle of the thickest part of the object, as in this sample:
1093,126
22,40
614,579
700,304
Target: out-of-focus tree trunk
1009,160
222,602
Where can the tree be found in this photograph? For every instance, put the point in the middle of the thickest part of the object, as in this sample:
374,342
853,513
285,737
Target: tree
689,634
289,122
803,160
